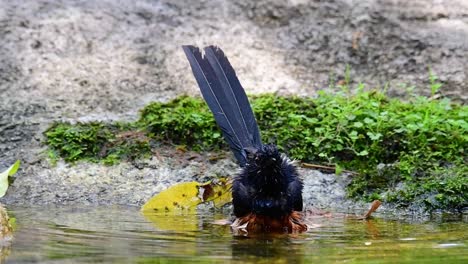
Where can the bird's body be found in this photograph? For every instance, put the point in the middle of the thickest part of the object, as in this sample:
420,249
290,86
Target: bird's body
267,193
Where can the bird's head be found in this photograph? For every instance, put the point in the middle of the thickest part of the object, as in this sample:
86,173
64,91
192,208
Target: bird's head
266,158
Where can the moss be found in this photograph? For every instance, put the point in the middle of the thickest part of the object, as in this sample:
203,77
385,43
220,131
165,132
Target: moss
183,121
441,188
95,141
403,150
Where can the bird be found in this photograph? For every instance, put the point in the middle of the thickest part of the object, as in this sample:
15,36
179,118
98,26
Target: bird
267,192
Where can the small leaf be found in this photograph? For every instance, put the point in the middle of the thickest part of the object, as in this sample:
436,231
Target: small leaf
363,153
400,130
374,206
338,169
358,124
368,120
374,136
353,135
312,120
4,177
319,129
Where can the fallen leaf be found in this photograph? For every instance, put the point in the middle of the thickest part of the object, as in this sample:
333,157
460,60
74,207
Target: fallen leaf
374,206
187,195
4,177
181,196
220,192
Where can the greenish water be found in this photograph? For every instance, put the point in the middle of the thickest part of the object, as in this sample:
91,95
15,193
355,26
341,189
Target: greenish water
123,235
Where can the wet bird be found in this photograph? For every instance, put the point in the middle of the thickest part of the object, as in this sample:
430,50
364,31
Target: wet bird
267,193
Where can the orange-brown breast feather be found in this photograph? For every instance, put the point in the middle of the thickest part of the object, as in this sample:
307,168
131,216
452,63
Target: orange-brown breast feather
253,223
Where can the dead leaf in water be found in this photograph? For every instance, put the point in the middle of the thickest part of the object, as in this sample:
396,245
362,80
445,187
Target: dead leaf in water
180,196
187,195
314,213
218,192
374,206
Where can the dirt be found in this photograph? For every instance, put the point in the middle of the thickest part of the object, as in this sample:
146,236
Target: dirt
104,60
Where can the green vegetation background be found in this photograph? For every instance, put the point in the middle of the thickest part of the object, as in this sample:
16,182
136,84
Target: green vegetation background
410,151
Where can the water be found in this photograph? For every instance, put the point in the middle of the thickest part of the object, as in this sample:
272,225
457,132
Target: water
123,235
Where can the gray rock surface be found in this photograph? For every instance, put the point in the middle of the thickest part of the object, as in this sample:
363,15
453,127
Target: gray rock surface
105,60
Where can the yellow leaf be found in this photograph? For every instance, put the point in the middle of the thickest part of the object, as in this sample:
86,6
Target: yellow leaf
218,192
187,195
182,196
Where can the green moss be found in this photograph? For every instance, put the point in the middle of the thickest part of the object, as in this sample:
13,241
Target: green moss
95,141
80,141
441,188
183,121
404,151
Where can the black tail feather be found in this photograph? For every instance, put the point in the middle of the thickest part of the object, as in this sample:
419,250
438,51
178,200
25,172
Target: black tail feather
226,98
228,79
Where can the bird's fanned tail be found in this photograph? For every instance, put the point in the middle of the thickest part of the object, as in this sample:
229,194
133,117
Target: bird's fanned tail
226,98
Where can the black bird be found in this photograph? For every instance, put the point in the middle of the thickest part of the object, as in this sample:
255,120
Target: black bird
267,193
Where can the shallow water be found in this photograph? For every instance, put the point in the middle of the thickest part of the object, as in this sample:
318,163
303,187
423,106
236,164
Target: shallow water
123,235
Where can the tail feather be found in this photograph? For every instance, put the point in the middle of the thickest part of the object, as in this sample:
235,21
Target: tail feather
228,78
226,98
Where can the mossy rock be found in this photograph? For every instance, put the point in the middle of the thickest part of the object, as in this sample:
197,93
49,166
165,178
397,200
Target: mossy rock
422,140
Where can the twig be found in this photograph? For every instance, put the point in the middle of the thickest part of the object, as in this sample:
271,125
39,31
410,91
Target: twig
322,167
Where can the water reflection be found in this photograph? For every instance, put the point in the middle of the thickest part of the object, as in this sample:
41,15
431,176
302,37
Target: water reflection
123,235
269,249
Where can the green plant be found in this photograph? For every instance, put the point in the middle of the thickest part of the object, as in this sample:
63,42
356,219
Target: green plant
433,82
